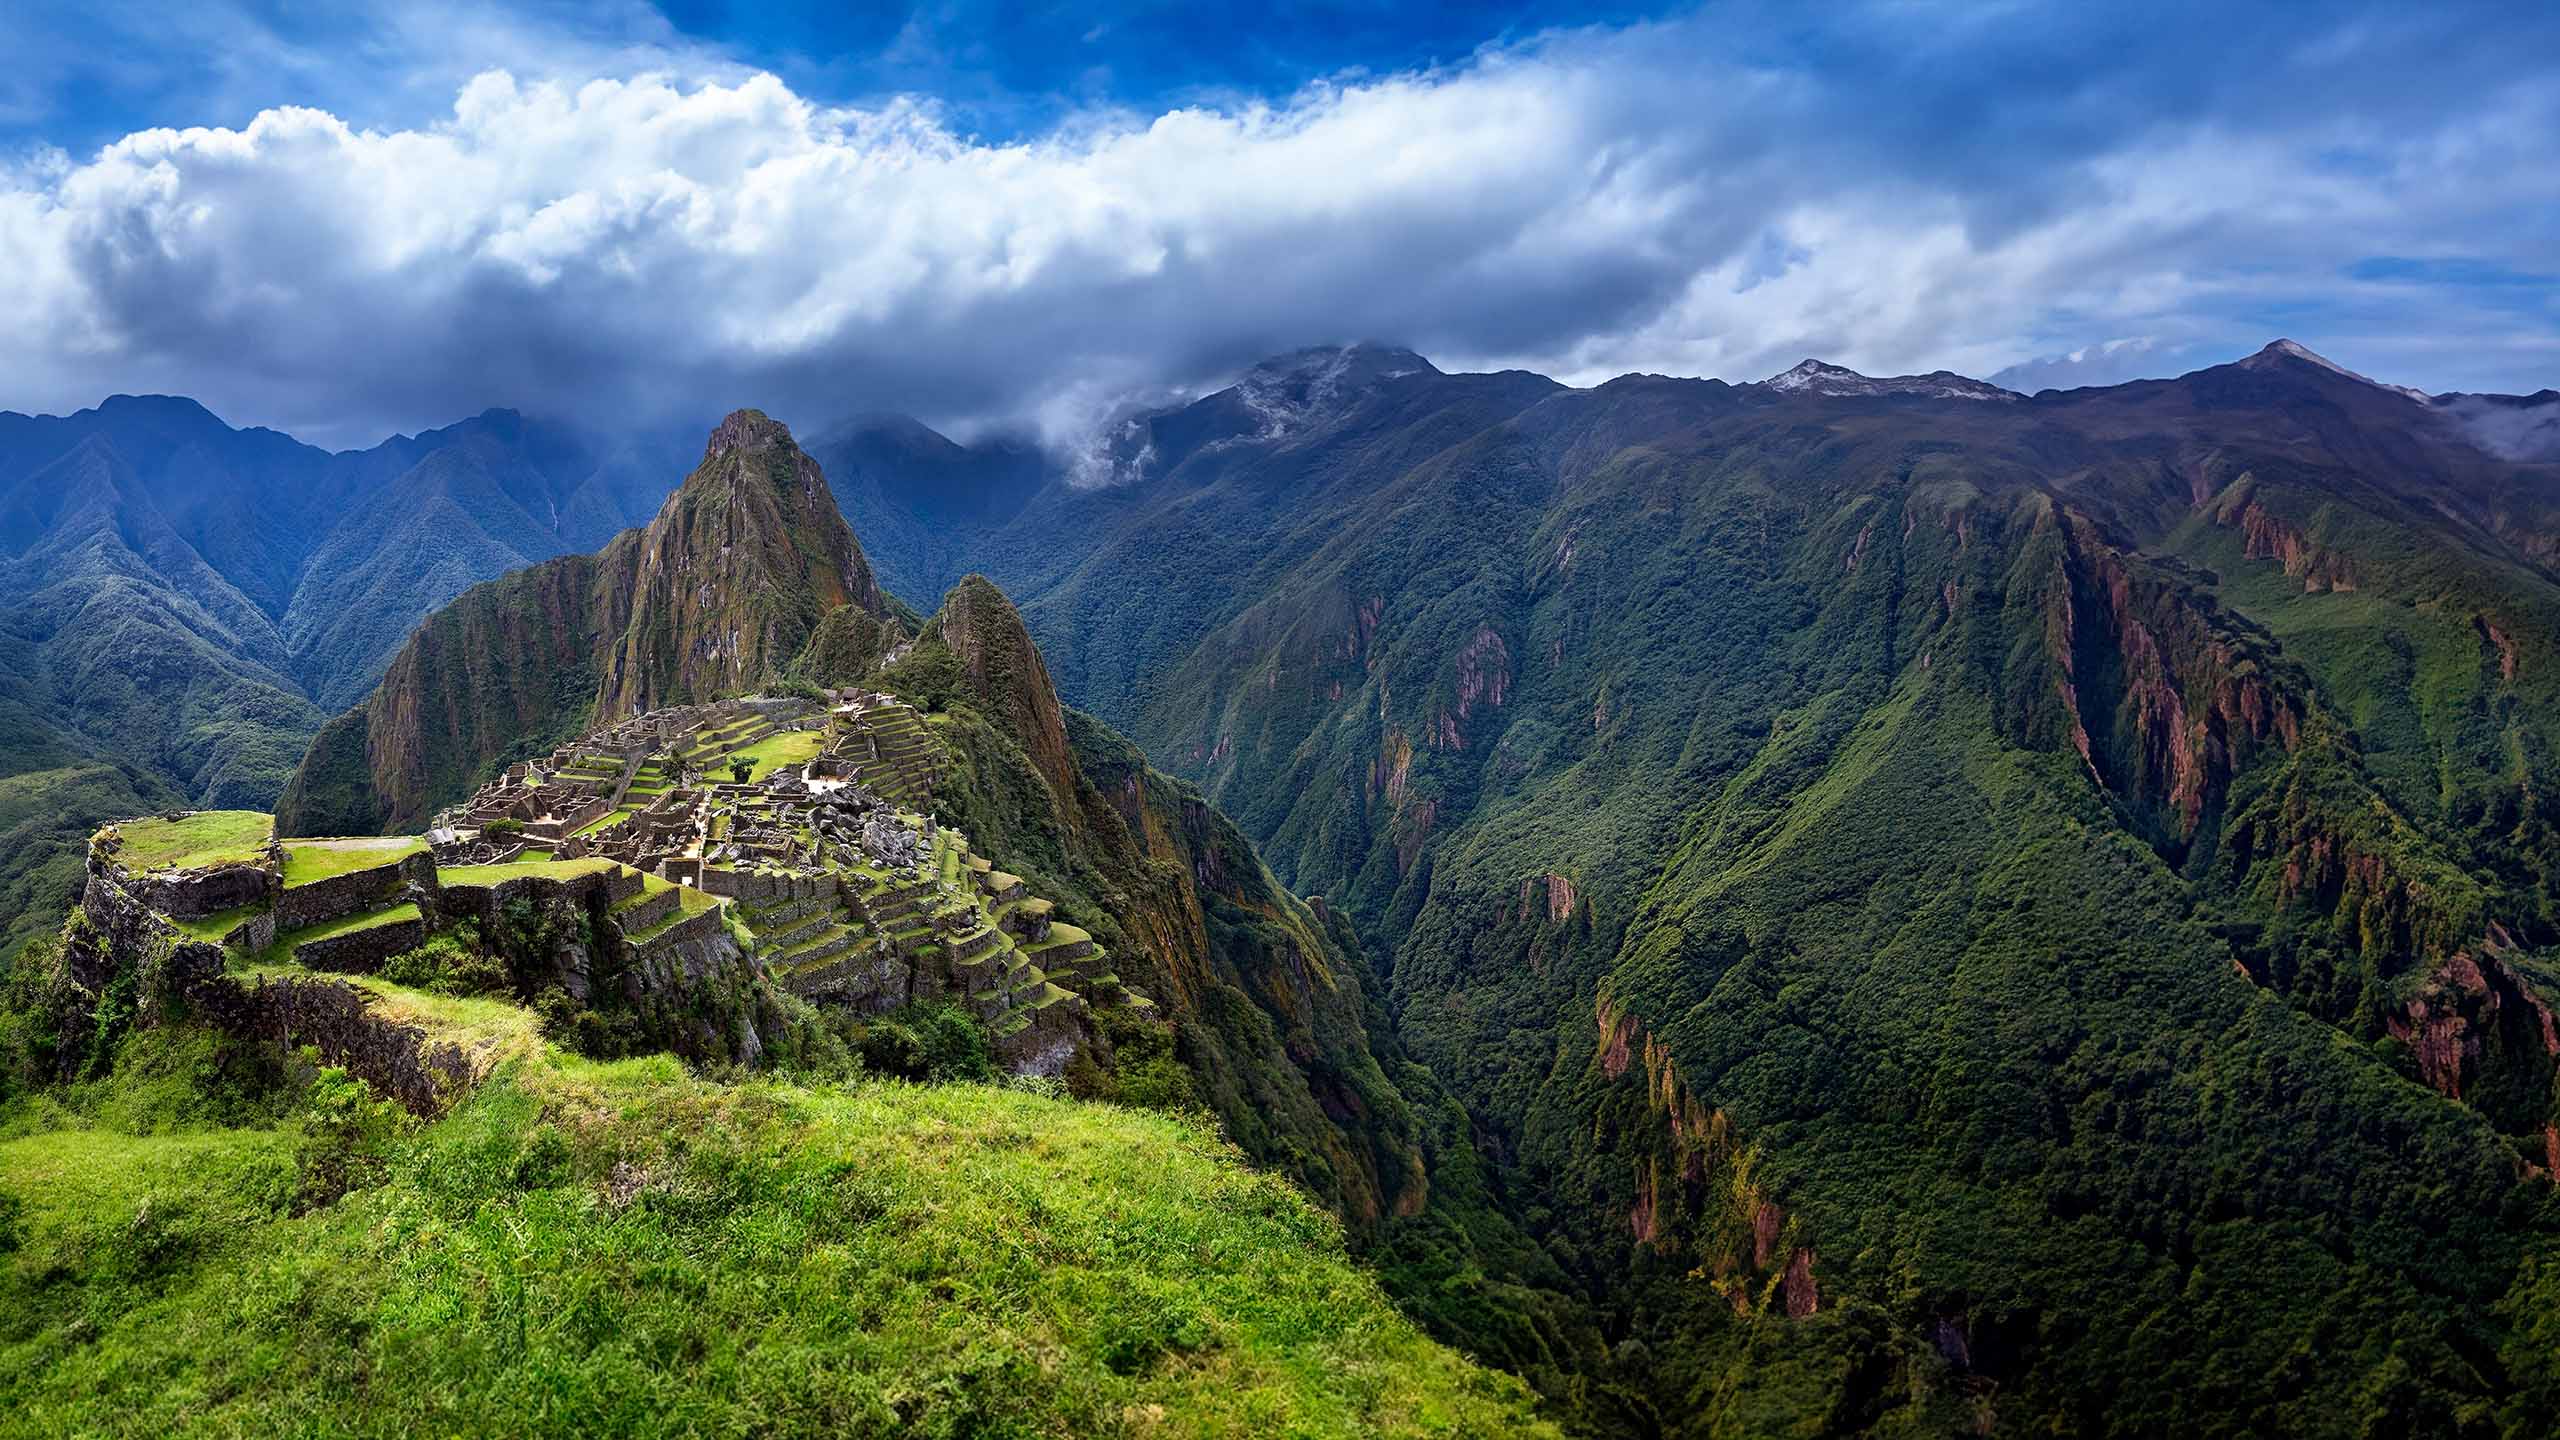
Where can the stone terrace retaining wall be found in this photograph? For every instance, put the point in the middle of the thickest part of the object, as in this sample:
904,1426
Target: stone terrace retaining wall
760,889
675,937
484,903
1046,1045
332,1015
191,894
356,892
338,1018
361,952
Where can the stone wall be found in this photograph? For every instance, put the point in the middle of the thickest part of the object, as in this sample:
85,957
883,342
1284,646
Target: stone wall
358,891
361,952
169,977
337,1018
1046,1045
675,938
757,888
578,819
192,894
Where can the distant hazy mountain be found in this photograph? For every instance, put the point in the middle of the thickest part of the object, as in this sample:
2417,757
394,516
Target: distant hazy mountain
183,603
921,501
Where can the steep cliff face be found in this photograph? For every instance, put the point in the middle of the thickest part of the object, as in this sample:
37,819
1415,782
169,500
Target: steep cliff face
1267,1001
735,573
727,588
1004,669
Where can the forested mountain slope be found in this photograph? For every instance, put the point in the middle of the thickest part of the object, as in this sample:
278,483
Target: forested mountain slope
750,577
1954,908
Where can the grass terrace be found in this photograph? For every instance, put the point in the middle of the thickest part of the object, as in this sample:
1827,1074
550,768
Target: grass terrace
518,869
211,837
774,752
211,928
689,903
309,860
603,822
346,925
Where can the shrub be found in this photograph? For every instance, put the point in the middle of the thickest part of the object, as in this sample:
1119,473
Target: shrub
451,962
924,1041
347,1134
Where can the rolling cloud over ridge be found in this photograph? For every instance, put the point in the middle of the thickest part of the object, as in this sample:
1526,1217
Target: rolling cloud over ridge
1698,196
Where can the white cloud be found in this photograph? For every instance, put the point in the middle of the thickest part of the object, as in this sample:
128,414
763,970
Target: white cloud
675,242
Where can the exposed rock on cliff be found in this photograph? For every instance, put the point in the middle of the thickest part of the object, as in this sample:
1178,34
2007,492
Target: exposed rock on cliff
732,582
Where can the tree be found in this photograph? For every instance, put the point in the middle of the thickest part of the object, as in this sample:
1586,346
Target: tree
741,767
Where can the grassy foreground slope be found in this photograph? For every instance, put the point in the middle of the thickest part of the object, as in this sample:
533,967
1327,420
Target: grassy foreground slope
623,1248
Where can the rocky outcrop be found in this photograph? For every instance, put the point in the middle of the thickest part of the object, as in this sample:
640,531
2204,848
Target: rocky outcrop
2265,535
2163,702
1005,671
735,574
1695,1192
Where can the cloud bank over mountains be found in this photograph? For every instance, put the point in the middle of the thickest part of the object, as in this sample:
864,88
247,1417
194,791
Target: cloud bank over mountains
1995,196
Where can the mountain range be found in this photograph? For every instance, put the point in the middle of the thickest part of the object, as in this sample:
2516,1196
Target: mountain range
2031,889
1832,905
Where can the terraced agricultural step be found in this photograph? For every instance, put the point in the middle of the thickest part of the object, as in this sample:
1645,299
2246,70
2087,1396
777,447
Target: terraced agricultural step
766,917
799,930
1057,949
642,911
825,945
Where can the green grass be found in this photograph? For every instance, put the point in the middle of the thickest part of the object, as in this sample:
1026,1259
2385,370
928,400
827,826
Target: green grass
214,927
689,903
584,1248
487,1029
348,924
518,869
773,752
309,860
605,821
212,837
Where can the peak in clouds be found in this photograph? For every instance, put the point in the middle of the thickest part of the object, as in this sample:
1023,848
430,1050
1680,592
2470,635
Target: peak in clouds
1684,197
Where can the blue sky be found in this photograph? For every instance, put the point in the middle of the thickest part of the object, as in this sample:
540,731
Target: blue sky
1025,215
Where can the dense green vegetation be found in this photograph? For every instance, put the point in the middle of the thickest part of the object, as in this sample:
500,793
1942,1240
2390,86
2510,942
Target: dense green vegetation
223,1240
46,819
1839,916
2006,884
